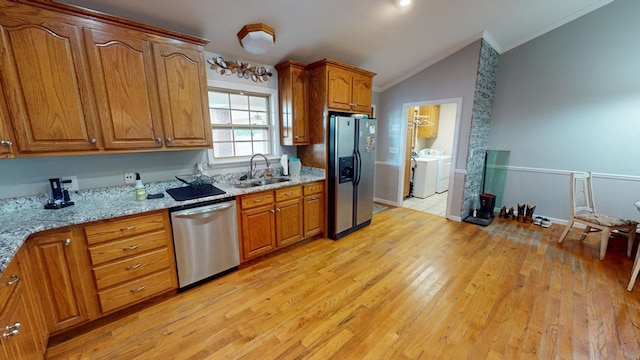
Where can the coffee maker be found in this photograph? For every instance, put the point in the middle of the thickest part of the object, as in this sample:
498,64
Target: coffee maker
59,195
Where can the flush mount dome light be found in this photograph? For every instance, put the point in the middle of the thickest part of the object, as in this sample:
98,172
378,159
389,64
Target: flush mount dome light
257,38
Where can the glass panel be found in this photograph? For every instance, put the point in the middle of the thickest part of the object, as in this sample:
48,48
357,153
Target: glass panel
240,117
258,103
261,147
239,102
220,117
218,100
258,118
495,173
221,150
242,134
243,149
260,134
222,135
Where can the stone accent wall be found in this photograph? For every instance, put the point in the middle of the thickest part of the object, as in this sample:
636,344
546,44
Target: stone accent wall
480,119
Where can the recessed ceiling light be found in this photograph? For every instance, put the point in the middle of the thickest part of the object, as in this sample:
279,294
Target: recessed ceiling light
402,3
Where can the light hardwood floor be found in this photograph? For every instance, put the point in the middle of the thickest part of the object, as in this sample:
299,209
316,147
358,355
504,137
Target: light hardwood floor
409,286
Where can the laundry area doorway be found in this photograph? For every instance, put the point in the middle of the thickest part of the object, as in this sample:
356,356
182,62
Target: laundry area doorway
431,130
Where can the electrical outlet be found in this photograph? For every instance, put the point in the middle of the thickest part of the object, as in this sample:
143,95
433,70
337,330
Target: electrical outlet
70,183
129,177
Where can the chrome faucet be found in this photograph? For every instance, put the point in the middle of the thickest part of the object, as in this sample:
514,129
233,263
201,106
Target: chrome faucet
251,166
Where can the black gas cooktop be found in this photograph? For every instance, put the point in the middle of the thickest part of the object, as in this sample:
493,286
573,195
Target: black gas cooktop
194,192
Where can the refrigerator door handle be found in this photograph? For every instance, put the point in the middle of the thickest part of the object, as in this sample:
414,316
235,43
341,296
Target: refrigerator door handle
358,166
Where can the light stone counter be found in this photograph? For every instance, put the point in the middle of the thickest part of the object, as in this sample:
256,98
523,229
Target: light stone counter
21,217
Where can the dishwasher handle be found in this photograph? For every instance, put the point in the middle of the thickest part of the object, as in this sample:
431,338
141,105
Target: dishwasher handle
203,211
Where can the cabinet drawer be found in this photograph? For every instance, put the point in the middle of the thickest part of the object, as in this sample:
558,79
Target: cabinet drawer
135,291
8,282
127,247
259,199
288,193
315,188
130,268
128,226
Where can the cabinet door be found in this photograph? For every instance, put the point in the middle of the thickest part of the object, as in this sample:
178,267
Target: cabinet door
58,264
293,93
289,221
313,214
124,80
6,136
258,231
183,95
19,340
339,89
46,82
361,93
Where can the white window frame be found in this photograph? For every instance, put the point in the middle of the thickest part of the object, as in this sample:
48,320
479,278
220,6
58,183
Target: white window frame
275,149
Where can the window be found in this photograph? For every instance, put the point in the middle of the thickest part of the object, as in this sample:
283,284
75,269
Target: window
240,122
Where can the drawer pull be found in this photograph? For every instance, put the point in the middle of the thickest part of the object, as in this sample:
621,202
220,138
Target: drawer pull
138,289
289,193
128,228
314,198
132,247
13,332
257,200
15,326
13,279
135,266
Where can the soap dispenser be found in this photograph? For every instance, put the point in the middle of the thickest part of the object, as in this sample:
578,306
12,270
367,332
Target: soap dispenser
141,193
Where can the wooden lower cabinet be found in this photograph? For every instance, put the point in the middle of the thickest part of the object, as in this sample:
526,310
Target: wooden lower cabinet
277,218
65,286
24,334
313,209
132,259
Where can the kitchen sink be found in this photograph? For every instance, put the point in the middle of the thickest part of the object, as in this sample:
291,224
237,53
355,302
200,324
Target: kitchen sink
248,184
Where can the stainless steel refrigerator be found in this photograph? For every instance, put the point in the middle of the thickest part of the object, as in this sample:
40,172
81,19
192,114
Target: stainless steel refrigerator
352,156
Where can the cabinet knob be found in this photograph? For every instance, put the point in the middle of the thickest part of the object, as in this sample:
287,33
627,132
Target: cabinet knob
93,140
67,242
297,137
159,140
272,211
14,278
169,139
6,142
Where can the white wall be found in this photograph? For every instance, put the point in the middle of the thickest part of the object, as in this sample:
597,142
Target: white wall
453,77
570,101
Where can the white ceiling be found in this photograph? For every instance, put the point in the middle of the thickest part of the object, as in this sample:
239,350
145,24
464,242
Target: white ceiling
372,34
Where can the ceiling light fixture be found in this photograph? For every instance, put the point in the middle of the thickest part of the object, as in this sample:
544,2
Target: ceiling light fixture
257,38
402,3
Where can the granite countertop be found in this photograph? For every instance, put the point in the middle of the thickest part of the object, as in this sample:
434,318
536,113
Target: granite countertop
21,217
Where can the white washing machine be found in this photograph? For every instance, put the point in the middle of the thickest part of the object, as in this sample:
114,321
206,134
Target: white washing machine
443,167
425,178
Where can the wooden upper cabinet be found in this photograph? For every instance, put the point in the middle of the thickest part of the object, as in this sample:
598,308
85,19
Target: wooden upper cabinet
348,90
183,90
123,74
430,118
46,83
293,95
6,135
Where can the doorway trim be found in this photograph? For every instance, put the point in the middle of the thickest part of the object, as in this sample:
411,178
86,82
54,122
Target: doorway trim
454,152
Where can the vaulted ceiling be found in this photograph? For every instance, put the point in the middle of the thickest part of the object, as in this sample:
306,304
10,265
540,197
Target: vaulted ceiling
375,35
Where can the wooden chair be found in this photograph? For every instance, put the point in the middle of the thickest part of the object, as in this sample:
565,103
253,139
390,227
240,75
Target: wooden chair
583,210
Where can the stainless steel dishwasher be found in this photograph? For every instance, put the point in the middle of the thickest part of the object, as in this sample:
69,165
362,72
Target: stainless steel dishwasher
205,237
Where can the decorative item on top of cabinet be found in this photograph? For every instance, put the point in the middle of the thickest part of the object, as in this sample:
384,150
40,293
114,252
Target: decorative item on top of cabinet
49,100
62,266
24,333
293,95
428,118
132,258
